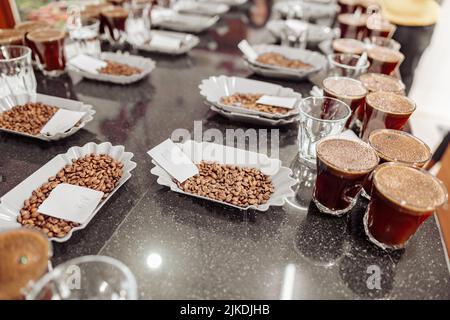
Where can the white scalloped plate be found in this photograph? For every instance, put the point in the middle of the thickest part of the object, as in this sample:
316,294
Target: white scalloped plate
12,202
140,41
317,60
172,20
316,33
202,8
8,102
310,10
197,151
145,64
214,88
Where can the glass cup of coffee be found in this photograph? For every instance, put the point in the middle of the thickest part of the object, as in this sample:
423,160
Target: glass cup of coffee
379,27
403,197
342,167
345,89
319,118
27,27
383,42
346,65
352,25
384,60
348,6
16,71
385,110
114,22
347,45
396,146
49,50
11,37
375,82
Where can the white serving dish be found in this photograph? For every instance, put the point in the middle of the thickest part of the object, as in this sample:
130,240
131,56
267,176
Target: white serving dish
309,10
172,20
203,8
145,64
317,61
231,3
215,88
253,119
141,41
8,102
315,33
198,151
12,202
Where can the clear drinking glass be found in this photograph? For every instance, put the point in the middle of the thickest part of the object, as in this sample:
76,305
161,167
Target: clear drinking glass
319,118
86,278
346,65
383,42
139,18
295,36
16,71
83,31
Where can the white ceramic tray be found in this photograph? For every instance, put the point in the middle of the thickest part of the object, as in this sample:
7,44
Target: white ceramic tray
309,10
141,41
198,151
172,20
145,64
203,8
253,119
12,202
6,103
315,33
231,3
317,61
215,88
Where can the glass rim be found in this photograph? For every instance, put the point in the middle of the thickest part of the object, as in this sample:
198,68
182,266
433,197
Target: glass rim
22,56
302,102
61,35
414,106
372,40
401,202
395,52
365,144
381,155
346,66
382,75
58,270
346,96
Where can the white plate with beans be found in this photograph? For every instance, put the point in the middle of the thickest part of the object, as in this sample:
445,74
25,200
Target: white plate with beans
141,41
121,68
26,115
232,177
218,90
102,167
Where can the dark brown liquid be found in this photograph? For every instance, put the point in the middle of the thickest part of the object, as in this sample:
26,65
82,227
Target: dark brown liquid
354,28
384,60
344,45
113,21
11,37
338,183
48,46
393,223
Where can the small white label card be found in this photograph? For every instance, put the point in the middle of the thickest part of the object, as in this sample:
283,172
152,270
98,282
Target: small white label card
161,41
247,50
62,121
70,202
87,63
283,102
173,160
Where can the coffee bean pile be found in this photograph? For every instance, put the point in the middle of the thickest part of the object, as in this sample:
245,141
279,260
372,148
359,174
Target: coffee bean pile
119,69
277,59
238,186
98,172
29,118
248,101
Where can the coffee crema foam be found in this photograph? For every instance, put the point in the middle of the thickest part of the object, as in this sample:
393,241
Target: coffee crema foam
385,54
342,86
410,187
390,102
348,45
393,145
380,82
347,155
353,20
46,35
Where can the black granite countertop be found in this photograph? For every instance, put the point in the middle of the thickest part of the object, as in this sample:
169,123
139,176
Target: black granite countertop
205,250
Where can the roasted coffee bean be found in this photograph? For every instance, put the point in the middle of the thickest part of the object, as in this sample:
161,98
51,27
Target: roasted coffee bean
119,69
277,59
29,118
53,227
248,101
239,186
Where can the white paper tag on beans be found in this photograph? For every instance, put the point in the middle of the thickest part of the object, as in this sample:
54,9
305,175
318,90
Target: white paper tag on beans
87,63
62,121
161,41
70,202
282,102
173,160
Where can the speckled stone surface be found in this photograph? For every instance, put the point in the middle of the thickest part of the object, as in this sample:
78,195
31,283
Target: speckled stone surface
204,250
